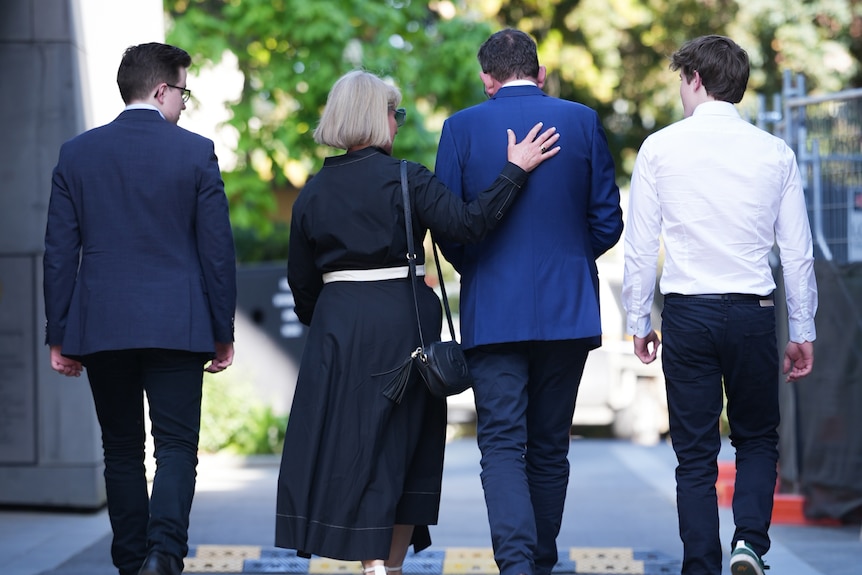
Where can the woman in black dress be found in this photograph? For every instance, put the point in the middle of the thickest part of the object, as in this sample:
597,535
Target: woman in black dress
360,474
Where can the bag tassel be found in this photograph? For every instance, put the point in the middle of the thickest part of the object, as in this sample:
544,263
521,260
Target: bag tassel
397,384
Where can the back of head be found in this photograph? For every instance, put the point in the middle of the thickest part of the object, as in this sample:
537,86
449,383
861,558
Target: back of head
722,64
509,54
145,66
357,112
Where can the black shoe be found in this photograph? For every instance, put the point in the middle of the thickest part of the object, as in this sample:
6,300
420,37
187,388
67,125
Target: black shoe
158,563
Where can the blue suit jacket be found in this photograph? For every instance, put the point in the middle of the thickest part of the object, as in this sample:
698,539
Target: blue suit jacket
139,251
534,277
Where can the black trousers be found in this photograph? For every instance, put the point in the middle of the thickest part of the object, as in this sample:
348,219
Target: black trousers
709,344
172,381
525,398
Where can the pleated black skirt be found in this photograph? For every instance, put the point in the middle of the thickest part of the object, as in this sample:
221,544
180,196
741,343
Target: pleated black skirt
355,463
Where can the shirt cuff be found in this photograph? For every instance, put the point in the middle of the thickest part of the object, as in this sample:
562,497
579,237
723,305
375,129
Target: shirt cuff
638,326
515,174
802,331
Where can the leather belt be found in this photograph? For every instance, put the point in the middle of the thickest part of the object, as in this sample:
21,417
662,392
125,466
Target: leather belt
723,296
372,275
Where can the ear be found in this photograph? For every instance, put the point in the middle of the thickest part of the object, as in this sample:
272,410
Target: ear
697,81
489,83
540,79
159,95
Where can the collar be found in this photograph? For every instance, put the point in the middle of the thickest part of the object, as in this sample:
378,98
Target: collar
715,108
144,107
349,157
520,83
512,90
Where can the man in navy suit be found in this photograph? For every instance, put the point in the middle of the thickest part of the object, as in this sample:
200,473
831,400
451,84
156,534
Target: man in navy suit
529,294
140,289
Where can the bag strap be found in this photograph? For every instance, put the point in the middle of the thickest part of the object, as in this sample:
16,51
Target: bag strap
411,258
411,252
443,290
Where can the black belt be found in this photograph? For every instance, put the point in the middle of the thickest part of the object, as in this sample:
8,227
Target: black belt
723,296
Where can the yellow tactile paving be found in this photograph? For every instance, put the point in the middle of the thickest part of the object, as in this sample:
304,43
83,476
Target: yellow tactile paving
228,551
324,566
468,560
212,565
602,560
220,558
452,561
590,553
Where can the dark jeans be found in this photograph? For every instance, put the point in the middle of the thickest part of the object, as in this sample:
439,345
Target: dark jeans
525,397
707,343
172,381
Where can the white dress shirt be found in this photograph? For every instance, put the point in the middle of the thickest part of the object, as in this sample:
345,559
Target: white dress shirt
145,107
721,193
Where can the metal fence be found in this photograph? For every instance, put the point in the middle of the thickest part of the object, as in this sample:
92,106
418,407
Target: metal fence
826,134
821,434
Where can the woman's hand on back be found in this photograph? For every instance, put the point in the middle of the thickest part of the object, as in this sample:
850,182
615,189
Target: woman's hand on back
533,149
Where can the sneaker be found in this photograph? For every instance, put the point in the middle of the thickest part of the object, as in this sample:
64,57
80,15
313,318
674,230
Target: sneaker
744,561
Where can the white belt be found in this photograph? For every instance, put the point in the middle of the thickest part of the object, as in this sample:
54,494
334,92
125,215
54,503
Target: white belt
371,275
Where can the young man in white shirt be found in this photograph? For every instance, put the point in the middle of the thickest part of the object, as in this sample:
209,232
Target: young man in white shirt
720,193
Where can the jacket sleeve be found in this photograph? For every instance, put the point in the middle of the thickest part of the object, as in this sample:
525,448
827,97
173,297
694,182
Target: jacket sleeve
448,170
216,247
604,215
62,254
304,278
450,218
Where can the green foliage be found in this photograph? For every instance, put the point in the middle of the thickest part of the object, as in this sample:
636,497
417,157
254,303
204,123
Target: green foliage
291,52
233,420
251,201
614,56
254,244
811,38
609,54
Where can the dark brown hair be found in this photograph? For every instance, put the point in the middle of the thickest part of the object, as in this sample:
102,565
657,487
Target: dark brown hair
145,66
722,64
508,54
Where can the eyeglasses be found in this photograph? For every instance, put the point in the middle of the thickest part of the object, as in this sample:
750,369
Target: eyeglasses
186,92
400,116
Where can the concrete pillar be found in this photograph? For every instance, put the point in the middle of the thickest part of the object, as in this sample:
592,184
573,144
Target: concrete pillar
50,445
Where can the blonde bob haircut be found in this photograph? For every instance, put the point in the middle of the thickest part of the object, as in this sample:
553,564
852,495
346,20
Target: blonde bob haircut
357,112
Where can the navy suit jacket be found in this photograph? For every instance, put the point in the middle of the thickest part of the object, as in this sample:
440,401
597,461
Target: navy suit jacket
534,277
139,251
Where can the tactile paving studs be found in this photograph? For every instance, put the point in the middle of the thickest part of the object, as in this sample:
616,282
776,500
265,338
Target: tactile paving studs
606,561
426,562
220,558
451,561
324,566
469,561
228,551
276,564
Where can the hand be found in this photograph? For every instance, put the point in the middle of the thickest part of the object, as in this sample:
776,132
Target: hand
798,360
223,358
642,347
532,150
64,365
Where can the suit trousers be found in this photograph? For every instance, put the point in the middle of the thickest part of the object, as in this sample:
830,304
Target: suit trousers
525,398
172,381
706,343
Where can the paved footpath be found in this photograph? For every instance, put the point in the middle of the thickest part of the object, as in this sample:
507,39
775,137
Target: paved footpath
620,518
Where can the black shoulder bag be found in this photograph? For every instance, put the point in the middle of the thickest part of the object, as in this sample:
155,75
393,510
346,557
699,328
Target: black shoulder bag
442,364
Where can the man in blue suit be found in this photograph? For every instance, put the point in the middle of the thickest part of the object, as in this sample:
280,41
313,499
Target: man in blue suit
529,294
140,288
